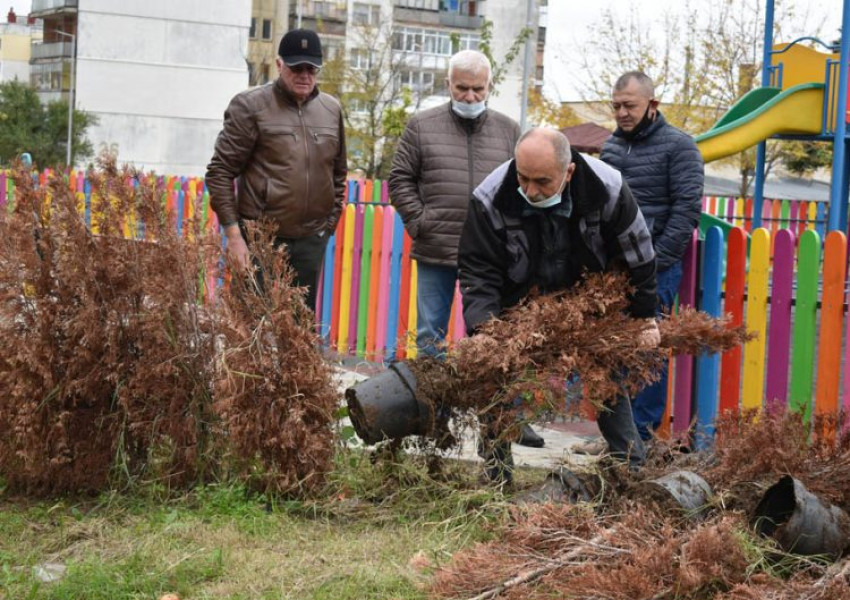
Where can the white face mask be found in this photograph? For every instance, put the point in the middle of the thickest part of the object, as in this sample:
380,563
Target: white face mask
541,202
468,111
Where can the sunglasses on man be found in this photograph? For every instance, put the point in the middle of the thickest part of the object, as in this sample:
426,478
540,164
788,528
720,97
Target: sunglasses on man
304,68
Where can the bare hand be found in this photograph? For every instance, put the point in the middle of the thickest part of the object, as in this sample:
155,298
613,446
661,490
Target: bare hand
237,249
650,337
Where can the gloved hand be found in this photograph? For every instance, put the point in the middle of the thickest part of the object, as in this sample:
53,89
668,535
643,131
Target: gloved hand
650,337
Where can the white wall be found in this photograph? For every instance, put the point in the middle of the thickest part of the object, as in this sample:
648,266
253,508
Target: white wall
15,69
509,18
158,75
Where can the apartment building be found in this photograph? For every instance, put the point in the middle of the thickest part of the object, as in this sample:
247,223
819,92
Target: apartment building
156,73
269,20
16,37
423,35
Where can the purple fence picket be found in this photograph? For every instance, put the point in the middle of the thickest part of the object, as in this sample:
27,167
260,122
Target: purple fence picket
779,329
685,362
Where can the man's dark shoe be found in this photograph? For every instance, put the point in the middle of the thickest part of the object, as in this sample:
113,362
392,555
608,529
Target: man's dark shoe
528,437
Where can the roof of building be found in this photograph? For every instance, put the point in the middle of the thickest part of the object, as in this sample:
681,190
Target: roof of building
587,137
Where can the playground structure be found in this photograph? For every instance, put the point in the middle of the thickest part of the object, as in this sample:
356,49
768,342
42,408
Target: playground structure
803,96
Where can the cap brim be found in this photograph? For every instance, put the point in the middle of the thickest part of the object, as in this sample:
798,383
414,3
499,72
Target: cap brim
292,61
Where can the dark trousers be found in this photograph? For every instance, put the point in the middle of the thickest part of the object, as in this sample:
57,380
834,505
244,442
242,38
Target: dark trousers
648,405
305,257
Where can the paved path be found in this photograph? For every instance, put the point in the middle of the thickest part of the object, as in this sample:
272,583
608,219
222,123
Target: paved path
560,437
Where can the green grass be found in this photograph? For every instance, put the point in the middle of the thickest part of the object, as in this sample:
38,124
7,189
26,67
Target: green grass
219,541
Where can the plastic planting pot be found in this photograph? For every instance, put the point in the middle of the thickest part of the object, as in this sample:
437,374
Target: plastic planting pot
683,489
800,522
385,406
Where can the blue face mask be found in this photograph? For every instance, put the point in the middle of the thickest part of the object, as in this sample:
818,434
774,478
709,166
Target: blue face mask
541,202
468,111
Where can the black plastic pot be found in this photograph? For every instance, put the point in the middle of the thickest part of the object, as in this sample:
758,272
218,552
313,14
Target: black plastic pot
800,522
385,406
686,489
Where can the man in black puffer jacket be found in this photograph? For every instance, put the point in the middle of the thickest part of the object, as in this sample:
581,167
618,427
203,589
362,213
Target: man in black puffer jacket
664,170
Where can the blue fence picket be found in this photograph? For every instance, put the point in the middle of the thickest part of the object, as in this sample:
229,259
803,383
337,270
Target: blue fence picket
327,289
395,285
708,365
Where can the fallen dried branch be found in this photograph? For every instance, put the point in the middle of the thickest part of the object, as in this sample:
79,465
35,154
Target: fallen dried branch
558,562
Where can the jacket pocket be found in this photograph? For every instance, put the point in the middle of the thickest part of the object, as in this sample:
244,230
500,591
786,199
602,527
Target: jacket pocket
518,261
279,143
325,143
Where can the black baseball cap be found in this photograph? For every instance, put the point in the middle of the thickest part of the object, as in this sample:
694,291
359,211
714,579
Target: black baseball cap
301,46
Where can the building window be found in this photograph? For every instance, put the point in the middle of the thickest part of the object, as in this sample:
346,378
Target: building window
360,58
267,29
366,14
358,106
419,82
466,8
431,41
49,77
252,31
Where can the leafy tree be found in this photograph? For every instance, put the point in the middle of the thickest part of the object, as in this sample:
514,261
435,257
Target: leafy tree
375,105
543,111
802,158
707,58
28,126
485,46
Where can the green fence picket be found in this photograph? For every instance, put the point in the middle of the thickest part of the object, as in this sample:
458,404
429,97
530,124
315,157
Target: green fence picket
805,320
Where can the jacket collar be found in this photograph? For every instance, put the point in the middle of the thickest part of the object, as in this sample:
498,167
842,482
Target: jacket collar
585,192
468,125
657,124
284,94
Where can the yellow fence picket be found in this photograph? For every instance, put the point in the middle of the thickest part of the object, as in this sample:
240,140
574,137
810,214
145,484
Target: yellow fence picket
757,290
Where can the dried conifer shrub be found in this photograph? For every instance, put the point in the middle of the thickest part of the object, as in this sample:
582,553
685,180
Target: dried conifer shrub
529,352
107,348
272,386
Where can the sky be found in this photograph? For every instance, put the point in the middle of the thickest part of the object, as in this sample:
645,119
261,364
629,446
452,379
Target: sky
561,70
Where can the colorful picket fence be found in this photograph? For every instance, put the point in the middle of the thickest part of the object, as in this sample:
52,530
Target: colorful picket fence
366,302
795,215
185,198
793,299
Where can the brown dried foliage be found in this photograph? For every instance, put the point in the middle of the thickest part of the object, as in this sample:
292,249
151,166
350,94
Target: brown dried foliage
535,346
272,385
109,356
756,448
630,547
106,352
620,556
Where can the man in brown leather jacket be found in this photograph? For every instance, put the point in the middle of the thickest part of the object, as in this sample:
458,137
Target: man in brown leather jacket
284,145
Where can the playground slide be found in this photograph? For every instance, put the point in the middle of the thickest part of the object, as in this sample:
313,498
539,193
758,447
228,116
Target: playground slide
761,113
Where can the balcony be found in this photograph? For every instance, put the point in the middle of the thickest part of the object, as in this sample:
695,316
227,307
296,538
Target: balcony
457,20
54,50
418,4
40,8
317,9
